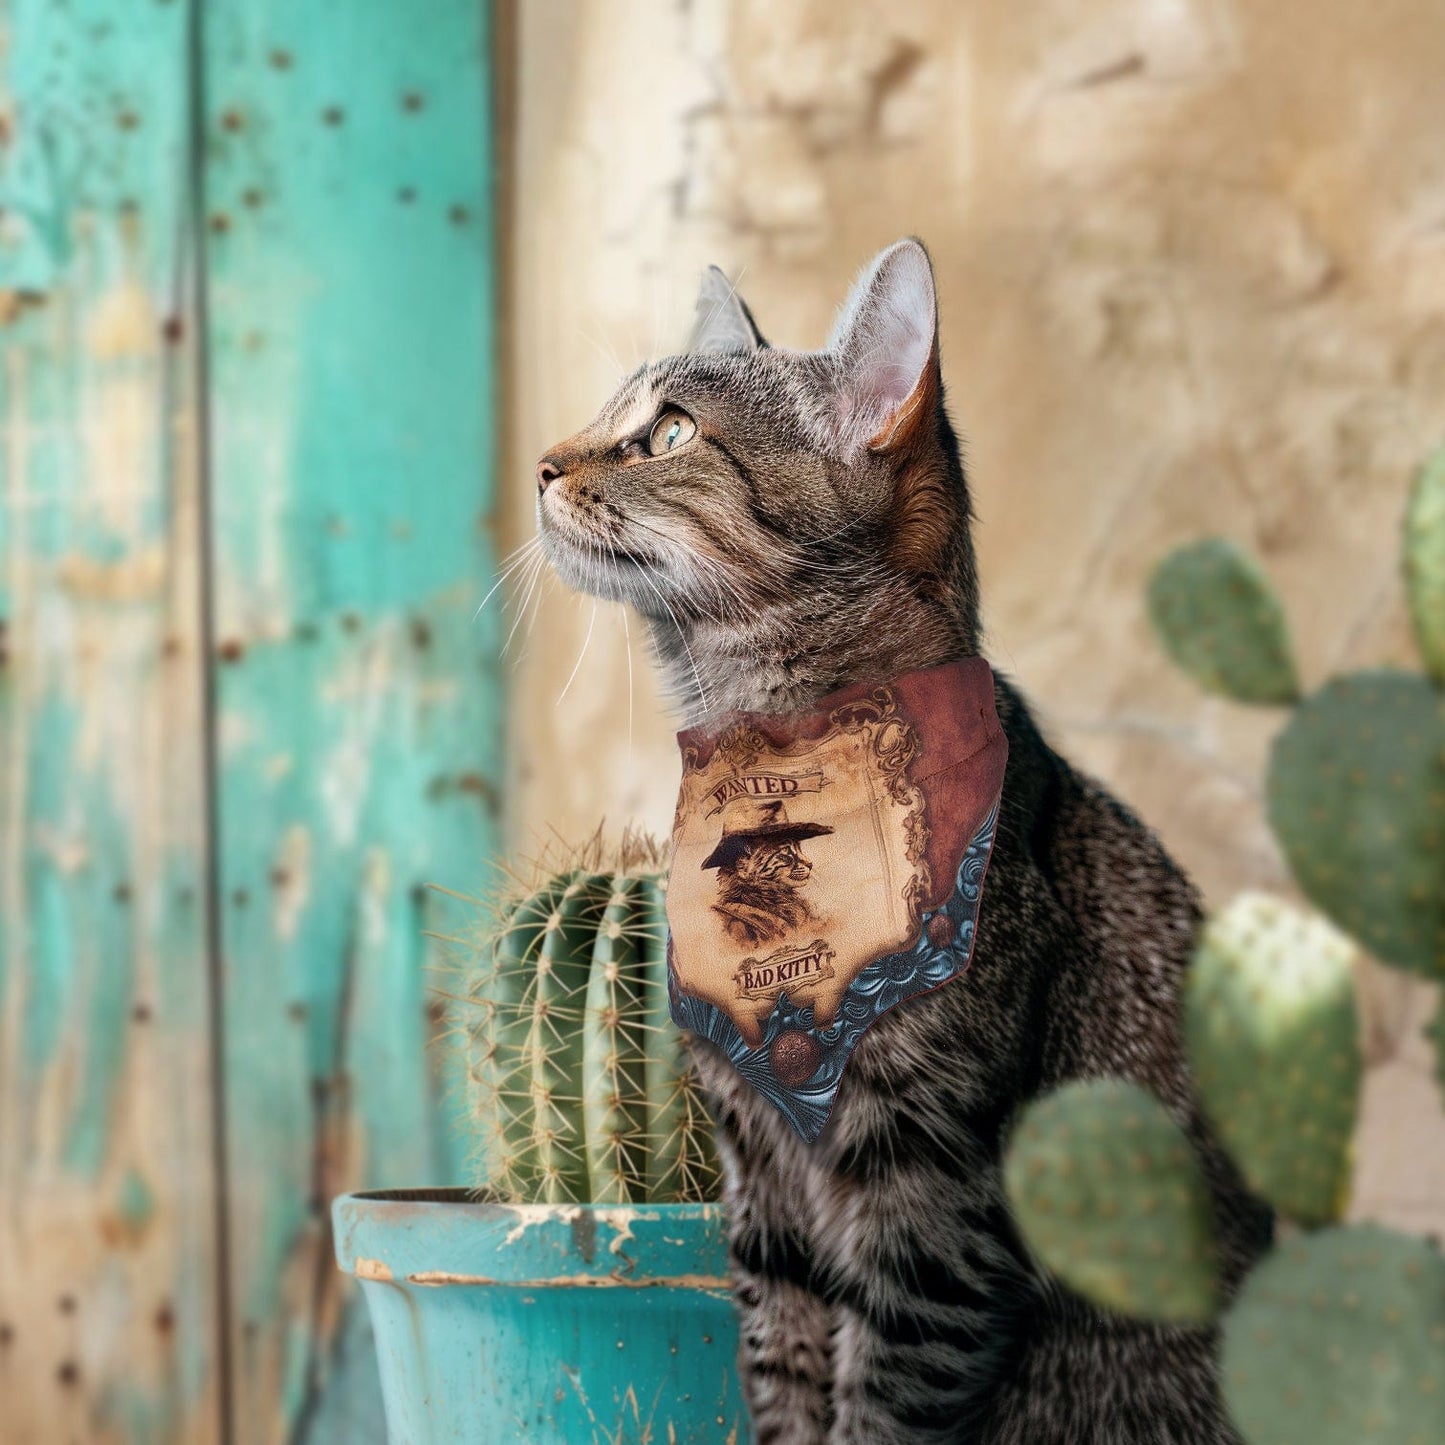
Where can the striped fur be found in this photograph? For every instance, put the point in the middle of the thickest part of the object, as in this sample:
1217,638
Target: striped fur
815,532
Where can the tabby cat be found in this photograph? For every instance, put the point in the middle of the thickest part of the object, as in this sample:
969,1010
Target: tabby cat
788,523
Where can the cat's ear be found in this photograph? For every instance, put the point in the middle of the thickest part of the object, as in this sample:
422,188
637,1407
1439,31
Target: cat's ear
886,343
722,321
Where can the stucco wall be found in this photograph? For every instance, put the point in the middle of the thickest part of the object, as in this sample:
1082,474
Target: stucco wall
1191,265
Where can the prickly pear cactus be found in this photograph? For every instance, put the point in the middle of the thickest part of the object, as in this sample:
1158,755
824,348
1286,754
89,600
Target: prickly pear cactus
579,1082
1338,1338
1357,778
1219,619
1356,793
1110,1196
1425,562
1273,1043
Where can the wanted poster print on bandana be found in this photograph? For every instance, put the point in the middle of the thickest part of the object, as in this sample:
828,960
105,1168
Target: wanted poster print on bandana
827,866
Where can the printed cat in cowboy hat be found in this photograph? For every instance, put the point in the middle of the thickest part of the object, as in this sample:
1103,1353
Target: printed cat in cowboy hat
761,869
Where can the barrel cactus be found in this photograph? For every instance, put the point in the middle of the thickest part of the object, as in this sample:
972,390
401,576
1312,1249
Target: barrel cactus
580,1087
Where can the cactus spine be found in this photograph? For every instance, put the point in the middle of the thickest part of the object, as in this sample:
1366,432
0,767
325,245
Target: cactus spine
580,1082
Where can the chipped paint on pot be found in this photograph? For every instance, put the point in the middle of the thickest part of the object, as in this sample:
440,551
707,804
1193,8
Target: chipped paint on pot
553,1324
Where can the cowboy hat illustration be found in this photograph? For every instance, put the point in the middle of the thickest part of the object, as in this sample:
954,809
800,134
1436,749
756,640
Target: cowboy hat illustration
749,821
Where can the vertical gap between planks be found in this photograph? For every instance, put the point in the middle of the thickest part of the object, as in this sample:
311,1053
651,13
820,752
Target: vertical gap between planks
513,516
194,222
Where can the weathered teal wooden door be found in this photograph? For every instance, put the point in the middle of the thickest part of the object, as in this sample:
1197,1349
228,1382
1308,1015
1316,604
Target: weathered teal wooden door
246,712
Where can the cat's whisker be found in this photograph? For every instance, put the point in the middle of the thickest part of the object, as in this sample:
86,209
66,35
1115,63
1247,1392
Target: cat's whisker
682,638
708,564
657,318
726,300
543,593
713,576
607,353
862,568
515,558
850,525
534,571
863,571
627,647
597,557
729,600
726,589
528,574
731,605
666,311
791,554
586,643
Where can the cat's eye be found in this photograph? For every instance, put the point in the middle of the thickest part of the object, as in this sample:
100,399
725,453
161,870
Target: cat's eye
670,431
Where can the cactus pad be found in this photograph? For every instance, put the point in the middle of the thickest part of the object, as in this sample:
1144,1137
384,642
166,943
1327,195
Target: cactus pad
581,1088
1274,1048
1111,1197
1425,562
1338,1338
1357,799
1219,619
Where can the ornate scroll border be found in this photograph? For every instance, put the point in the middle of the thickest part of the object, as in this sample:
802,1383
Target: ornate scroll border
879,987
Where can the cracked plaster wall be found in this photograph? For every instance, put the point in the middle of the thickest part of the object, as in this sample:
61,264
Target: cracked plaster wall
1191,264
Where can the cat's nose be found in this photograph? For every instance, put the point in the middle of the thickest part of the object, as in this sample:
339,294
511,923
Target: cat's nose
548,470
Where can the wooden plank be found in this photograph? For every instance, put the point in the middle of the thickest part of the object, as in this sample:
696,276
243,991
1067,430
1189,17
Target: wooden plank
107,1249
348,254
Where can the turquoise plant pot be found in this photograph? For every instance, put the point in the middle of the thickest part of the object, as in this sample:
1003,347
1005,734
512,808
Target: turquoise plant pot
555,1324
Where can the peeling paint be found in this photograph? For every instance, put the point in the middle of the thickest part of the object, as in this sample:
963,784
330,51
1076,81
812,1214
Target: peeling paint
291,879
531,1215
138,576
123,324
105,1146
349,384
435,1278
622,1218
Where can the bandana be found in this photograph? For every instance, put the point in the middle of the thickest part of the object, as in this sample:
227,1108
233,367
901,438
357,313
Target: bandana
826,866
